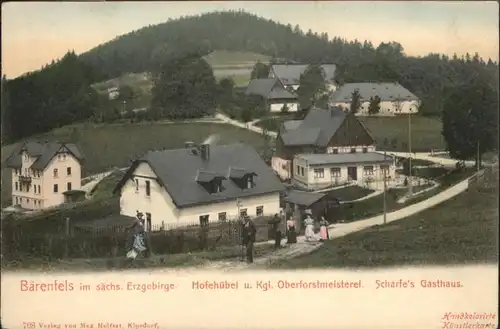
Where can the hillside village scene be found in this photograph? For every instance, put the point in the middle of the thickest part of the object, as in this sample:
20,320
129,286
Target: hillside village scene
181,145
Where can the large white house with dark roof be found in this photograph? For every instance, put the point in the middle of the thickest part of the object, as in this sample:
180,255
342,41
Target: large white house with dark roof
43,172
327,148
197,185
277,98
289,74
394,98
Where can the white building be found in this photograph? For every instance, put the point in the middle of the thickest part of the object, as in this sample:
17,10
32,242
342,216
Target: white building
331,131
289,75
197,185
394,98
277,98
316,171
42,172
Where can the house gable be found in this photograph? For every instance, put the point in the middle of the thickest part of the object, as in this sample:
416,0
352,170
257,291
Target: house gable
351,132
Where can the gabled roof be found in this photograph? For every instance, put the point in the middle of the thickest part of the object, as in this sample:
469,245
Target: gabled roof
44,152
289,74
177,171
386,92
317,128
268,88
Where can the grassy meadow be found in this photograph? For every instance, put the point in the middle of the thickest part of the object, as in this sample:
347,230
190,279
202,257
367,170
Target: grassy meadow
459,231
115,145
426,132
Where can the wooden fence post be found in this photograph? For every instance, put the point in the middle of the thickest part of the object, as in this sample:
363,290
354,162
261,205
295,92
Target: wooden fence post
67,235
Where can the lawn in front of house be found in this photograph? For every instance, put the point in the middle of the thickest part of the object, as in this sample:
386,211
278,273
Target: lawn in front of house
229,253
350,193
115,145
354,211
425,132
461,230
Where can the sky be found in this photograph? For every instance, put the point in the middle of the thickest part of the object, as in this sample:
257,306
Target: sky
34,33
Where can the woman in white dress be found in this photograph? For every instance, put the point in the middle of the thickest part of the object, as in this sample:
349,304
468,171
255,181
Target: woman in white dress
309,223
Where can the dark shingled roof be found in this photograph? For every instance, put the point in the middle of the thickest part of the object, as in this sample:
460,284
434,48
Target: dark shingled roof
302,198
290,74
44,152
177,171
317,128
269,88
386,92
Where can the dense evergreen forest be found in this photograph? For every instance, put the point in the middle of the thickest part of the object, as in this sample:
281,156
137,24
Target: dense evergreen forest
59,93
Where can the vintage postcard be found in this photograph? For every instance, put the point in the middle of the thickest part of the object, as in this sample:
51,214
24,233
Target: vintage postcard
249,165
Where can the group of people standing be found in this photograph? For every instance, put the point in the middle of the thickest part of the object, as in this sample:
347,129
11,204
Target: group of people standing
249,231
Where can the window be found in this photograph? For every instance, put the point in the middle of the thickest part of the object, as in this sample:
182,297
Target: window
17,200
34,188
243,212
16,172
365,149
249,182
335,172
148,221
148,188
335,151
55,173
222,217
28,201
56,188
39,189
353,150
204,220
384,169
68,185
368,170
319,173
17,186
64,156
136,185
302,170
68,171
260,211
298,170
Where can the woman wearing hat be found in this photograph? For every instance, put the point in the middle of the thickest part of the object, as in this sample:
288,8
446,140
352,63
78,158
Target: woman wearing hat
291,236
323,230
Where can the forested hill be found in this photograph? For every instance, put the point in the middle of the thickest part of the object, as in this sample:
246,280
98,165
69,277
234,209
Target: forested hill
60,92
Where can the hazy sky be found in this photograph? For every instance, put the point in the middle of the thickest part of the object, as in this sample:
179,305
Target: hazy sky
35,33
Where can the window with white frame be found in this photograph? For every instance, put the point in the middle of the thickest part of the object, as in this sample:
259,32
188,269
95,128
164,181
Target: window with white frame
243,213
259,211
319,173
368,170
335,172
302,171
298,170
384,170
56,174
222,216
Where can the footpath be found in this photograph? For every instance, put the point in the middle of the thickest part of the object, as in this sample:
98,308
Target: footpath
335,230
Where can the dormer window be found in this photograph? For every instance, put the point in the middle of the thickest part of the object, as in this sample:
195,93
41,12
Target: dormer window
212,182
242,177
249,182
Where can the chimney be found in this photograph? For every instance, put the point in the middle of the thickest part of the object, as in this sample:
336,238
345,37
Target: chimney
188,144
205,151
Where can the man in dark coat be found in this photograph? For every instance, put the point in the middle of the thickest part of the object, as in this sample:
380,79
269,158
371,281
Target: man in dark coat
248,237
